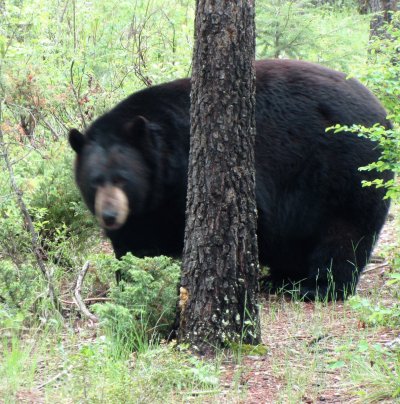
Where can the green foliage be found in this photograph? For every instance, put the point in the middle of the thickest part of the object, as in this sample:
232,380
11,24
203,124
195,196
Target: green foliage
389,142
87,370
61,221
240,349
51,192
381,74
14,292
376,314
284,27
54,203
143,304
382,70
306,30
13,236
23,300
73,67
60,217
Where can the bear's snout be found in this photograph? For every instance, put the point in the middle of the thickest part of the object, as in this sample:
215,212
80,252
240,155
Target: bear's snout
109,218
111,207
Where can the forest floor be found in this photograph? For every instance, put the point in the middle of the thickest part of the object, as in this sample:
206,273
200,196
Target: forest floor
313,349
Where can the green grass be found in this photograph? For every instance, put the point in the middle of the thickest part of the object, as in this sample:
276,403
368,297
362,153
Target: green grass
158,374
18,364
375,372
65,367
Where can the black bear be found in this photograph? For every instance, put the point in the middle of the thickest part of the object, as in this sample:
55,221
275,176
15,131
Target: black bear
316,224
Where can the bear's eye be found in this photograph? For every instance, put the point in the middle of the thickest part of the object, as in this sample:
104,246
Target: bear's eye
119,180
97,181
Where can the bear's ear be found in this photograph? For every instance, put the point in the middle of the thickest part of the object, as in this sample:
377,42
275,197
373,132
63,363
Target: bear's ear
139,125
138,132
76,140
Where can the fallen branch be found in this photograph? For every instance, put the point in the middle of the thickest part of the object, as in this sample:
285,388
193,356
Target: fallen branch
87,300
77,294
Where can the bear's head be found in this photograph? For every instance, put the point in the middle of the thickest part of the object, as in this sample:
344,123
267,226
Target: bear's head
113,169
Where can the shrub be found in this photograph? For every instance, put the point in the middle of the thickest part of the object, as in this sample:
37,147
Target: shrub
143,305
52,195
60,218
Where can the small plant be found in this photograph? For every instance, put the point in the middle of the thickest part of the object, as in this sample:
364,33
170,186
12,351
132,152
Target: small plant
285,28
15,293
376,371
376,314
143,305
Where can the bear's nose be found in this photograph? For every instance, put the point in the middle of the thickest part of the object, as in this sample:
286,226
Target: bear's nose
109,218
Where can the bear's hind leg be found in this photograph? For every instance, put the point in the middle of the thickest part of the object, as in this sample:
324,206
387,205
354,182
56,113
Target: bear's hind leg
336,262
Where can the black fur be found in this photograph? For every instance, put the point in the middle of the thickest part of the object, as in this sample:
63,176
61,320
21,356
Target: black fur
315,221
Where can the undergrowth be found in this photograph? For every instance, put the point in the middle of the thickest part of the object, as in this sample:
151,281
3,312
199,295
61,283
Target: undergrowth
54,367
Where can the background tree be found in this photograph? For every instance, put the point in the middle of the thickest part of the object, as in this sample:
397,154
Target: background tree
383,11
285,26
218,299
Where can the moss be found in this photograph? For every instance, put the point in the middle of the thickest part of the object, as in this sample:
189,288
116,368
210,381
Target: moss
247,349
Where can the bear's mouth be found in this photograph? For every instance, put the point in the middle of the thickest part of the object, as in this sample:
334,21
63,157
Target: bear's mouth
110,225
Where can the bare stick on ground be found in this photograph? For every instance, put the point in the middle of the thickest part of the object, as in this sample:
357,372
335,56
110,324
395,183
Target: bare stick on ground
77,294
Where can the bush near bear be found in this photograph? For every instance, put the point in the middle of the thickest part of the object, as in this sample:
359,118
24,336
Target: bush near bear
316,224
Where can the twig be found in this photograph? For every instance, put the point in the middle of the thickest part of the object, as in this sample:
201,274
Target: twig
50,128
317,339
77,93
54,378
77,294
385,264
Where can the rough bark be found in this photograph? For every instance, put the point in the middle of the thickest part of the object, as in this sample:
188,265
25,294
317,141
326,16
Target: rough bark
218,294
376,6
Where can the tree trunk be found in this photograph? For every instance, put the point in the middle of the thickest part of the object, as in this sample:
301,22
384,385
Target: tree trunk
218,294
382,10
